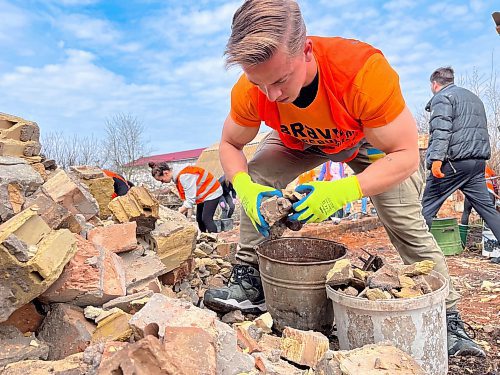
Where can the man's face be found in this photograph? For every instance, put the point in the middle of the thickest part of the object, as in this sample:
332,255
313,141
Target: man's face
281,77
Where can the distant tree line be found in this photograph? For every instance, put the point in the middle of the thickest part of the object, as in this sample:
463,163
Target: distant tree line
124,142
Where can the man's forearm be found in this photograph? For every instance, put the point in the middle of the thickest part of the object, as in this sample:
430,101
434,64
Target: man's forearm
387,172
232,160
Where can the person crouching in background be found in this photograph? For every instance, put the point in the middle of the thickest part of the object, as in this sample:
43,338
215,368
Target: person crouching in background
196,186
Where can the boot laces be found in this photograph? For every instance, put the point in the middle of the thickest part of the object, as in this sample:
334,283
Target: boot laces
458,327
240,273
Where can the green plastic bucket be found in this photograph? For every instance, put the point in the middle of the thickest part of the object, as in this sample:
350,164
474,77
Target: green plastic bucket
447,235
463,230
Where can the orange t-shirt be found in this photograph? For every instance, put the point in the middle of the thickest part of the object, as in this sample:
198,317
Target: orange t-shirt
307,177
374,98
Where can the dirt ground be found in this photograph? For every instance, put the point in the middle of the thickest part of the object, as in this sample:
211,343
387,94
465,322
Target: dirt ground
470,271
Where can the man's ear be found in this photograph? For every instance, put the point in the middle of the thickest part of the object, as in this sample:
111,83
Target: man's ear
308,50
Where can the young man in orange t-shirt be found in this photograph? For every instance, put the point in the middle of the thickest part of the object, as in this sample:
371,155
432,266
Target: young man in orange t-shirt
325,99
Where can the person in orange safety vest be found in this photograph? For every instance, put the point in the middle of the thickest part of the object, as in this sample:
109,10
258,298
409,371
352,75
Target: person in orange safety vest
120,185
196,186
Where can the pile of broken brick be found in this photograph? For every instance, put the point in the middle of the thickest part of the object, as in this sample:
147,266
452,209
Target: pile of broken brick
91,285
385,282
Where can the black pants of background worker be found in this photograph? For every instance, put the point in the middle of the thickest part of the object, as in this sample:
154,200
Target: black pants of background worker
468,208
228,209
467,176
205,215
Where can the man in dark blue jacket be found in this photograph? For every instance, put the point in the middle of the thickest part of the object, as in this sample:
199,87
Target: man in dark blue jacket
458,149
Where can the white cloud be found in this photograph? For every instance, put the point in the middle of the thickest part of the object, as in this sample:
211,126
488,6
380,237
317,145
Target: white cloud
399,5
95,30
13,21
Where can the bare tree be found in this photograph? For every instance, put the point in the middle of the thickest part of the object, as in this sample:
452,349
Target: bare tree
125,142
422,118
73,149
487,88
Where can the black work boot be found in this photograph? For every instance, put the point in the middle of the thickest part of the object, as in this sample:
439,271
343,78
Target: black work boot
244,292
459,342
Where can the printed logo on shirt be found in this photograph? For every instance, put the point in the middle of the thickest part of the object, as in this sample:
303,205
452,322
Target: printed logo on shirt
318,136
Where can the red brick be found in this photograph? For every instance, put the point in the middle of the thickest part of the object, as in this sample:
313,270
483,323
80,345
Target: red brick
146,356
115,237
180,273
25,319
92,277
191,349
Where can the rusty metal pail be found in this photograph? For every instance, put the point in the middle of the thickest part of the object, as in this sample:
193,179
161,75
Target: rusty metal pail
293,272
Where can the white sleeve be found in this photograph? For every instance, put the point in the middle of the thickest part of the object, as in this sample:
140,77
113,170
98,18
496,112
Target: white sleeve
188,182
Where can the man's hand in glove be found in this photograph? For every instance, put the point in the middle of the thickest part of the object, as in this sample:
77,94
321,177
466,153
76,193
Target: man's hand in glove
324,198
250,195
436,169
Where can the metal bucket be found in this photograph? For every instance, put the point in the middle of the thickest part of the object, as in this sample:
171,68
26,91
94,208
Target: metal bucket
414,325
293,272
226,224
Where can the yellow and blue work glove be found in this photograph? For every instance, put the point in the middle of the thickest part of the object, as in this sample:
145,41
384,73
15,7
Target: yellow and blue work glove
324,198
250,195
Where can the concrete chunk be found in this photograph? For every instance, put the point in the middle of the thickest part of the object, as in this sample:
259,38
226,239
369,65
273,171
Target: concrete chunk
72,365
141,269
66,331
340,274
54,214
274,209
303,347
419,268
102,189
369,360
16,347
114,327
21,282
137,205
170,312
62,189
386,278
86,172
126,303
17,181
174,242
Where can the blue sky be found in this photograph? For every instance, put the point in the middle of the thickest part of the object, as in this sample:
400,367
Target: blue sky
71,64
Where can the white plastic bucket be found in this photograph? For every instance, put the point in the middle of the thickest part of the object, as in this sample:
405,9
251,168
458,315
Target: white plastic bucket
414,325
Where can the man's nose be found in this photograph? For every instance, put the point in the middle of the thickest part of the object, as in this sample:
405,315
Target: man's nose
272,93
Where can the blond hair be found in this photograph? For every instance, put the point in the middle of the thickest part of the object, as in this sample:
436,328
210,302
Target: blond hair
261,27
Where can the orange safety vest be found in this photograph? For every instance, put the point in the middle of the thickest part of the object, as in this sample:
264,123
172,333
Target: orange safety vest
114,175
339,61
488,173
206,183
328,173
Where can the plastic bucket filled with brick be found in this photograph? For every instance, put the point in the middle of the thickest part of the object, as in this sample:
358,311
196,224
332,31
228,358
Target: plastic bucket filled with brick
293,272
415,325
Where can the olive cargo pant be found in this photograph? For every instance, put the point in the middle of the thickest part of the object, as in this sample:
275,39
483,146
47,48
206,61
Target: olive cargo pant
399,209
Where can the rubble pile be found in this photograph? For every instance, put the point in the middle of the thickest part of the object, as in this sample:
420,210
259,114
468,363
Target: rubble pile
95,285
387,282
